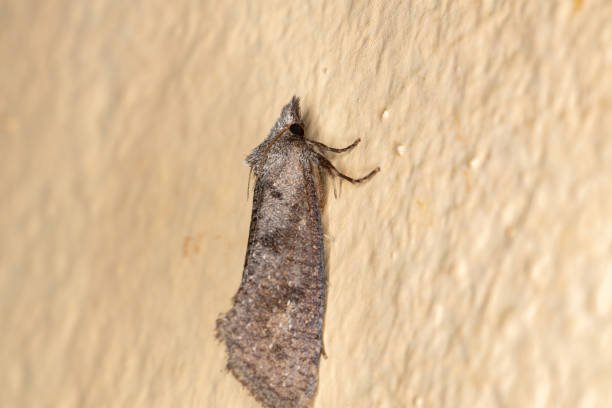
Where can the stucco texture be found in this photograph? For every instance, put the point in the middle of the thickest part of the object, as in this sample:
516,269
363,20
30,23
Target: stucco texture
475,270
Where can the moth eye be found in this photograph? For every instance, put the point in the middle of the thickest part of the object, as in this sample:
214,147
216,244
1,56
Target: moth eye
296,129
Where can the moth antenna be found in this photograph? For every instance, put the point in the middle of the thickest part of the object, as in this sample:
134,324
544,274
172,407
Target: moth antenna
269,146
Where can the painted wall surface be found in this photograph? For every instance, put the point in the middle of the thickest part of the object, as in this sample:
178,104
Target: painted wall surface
474,271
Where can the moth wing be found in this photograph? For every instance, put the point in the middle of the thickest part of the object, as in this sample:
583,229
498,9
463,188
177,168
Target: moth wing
273,332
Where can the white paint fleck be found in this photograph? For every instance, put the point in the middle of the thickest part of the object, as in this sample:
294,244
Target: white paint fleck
400,149
475,163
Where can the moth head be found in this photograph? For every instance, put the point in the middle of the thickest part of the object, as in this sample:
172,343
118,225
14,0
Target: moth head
289,123
290,120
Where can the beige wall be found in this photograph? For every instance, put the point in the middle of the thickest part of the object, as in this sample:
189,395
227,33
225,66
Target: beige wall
474,271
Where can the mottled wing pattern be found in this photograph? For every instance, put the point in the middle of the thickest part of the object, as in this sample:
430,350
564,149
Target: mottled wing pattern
274,330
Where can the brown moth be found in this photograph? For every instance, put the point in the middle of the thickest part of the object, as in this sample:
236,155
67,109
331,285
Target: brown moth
274,331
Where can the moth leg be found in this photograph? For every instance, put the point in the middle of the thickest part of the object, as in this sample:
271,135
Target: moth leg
249,182
333,149
335,172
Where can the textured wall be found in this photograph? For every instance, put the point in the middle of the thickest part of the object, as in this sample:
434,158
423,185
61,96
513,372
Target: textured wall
474,271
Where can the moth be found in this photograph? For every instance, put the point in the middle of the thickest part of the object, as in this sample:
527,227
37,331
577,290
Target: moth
274,330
